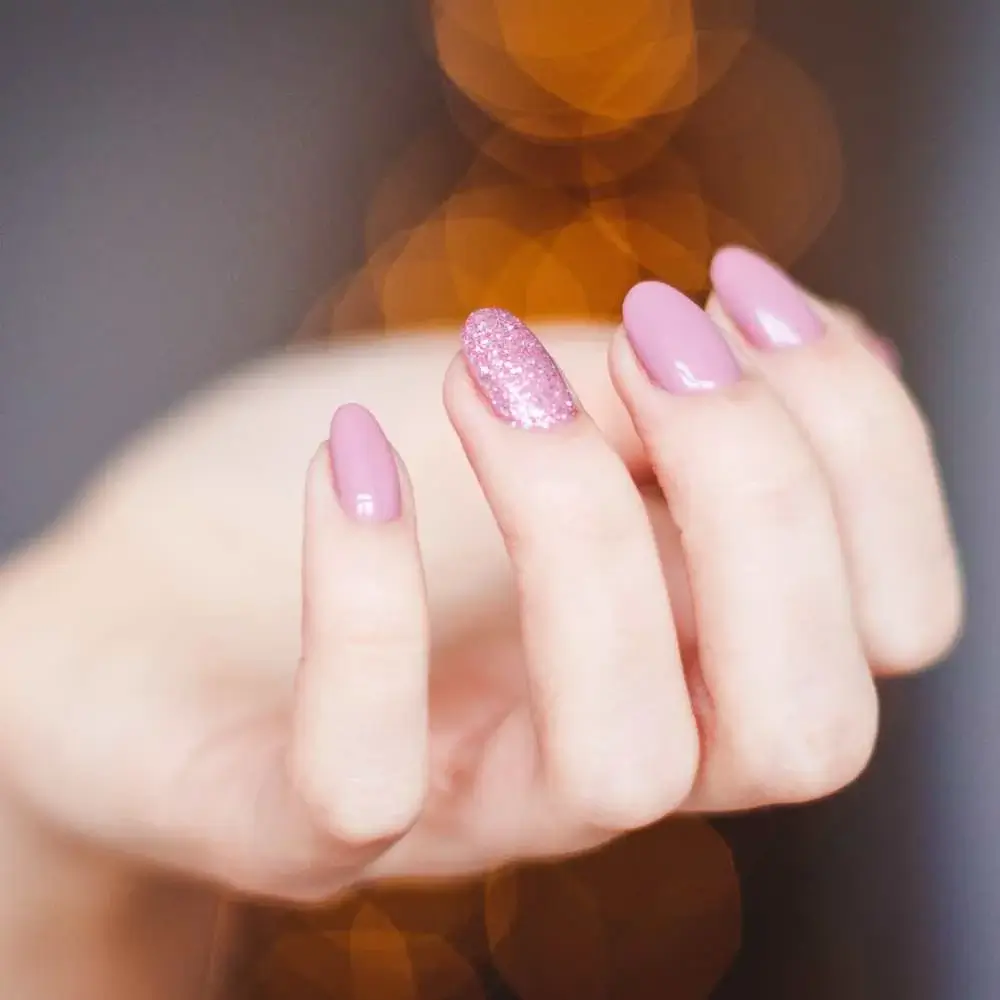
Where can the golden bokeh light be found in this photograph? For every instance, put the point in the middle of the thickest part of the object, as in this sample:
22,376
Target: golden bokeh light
373,960
394,942
556,30
767,152
656,914
619,77
559,69
547,934
420,180
566,70
573,166
449,909
671,897
722,28
587,164
567,259
385,964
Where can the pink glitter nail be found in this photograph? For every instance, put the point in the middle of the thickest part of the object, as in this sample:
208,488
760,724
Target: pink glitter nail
515,373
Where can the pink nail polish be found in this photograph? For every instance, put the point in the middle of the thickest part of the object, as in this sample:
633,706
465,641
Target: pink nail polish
365,475
769,309
682,350
515,373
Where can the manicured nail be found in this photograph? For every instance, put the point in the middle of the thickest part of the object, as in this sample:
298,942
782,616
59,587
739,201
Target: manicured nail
769,309
365,474
682,350
515,373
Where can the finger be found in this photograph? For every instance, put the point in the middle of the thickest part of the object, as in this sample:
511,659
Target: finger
789,707
615,725
360,730
875,450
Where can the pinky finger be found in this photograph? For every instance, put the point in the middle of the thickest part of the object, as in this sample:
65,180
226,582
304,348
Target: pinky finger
359,752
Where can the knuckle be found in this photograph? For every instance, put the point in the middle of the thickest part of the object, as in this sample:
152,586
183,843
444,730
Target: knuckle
356,830
355,827
809,755
630,794
920,641
920,617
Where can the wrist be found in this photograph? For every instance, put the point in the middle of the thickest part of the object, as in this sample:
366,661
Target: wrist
78,922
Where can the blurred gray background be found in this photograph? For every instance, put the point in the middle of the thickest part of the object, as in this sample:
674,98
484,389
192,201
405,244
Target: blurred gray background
180,181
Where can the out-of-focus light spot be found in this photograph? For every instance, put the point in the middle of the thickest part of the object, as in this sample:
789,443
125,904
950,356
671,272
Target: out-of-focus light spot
300,964
565,180
621,75
358,949
575,69
379,960
594,254
561,30
537,252
436,908
553,71
666,223
655,914
766,151
722,28
416,185
415,285
589,163
487,76
671,899
555,940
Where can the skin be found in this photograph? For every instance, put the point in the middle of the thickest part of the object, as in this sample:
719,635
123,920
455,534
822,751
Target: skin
668,604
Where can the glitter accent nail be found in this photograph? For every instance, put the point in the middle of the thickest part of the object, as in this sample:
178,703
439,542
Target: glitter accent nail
515,373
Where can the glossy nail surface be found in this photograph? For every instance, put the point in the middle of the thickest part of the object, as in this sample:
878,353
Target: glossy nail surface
518,377
769,309
365,474
682,350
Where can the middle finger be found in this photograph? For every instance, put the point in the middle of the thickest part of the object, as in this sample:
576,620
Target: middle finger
617,732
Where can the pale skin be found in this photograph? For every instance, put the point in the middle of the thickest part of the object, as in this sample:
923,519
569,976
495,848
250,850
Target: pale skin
541,654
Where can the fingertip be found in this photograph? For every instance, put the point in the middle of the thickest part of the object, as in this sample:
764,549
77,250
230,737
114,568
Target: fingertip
770,309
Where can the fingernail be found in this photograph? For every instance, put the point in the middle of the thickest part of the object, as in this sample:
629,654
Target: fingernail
518,377
769,309
682,350
365,474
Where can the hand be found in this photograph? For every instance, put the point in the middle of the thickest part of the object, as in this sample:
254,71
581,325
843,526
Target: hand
599,655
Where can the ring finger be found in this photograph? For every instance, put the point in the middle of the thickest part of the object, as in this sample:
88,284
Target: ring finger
790,712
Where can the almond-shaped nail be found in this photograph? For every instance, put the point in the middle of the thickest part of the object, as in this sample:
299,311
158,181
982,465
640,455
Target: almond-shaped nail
514,372
768,308
682,350
365,474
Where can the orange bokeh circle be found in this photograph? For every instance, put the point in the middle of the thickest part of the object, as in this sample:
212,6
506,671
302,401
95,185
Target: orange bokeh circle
552,71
